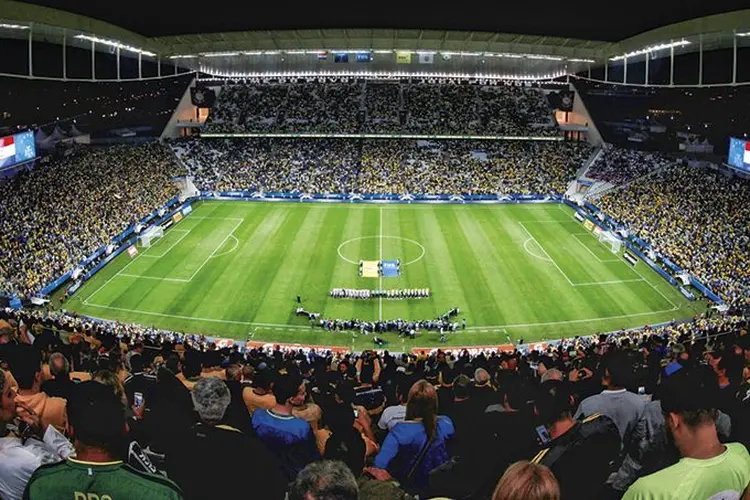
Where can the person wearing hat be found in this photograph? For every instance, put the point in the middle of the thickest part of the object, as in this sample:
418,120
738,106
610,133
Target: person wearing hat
708,468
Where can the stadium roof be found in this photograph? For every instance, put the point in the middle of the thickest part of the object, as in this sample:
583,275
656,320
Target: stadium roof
584,19
135,18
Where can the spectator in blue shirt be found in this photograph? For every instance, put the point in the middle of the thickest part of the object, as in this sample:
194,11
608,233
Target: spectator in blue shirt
290,438
417,445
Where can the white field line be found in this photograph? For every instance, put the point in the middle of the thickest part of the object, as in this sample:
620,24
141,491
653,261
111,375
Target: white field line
612,282
118,273
216,249
178,280
165,252
591,252
548,256
380,299
571,321
236,244
307,327
193,318
526,247
653,286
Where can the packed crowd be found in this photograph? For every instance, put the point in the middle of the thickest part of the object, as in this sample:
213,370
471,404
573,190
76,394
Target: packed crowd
108,410
382,166
382,107
696,217
59,212
358,293
618,166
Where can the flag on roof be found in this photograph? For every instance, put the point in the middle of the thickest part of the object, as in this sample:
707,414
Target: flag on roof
323,55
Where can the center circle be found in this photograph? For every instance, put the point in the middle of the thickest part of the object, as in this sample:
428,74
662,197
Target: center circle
360,238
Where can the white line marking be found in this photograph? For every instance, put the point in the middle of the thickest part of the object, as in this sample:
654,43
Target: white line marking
572,321
612,282
525,247
358,238
215,249
164,253
307,327
548,256
195,217
591,251
236,244
178,280
193,318
380,299
113,277
653,286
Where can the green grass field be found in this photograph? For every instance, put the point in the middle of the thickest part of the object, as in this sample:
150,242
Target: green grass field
234,269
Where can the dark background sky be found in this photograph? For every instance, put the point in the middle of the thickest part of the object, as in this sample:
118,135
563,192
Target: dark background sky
586,19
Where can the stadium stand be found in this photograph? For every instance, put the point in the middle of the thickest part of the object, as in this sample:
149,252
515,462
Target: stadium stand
690,214
417,107
546,406
618,166
381,166
59,212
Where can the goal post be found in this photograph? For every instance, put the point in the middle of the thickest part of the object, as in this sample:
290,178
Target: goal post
611,241
150,235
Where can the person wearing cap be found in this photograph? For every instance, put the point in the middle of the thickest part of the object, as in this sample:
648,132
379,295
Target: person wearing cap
193,457
708,468
97,427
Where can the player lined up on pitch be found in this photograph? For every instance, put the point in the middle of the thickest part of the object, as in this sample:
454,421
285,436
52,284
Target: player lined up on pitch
403,293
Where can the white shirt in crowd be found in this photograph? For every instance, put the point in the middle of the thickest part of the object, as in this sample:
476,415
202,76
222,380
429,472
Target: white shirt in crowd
392,416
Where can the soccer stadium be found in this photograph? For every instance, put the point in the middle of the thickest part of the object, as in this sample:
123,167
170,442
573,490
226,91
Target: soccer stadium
388,253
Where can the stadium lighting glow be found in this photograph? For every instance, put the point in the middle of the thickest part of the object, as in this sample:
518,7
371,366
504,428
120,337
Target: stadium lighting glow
747,33
294,52
116,44
220,54
653,48
582,60
381,74
13,26
385,51
183,56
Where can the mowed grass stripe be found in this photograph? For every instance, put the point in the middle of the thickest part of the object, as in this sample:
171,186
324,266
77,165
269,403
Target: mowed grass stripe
292,265
315,279
468,262
441,274
475,259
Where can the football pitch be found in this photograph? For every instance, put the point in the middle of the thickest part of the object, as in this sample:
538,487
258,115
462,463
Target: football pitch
525,271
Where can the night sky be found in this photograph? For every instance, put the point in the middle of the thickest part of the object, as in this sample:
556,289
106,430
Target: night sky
585,19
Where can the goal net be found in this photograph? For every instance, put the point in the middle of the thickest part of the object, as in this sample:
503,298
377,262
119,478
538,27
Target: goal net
611,241
150,235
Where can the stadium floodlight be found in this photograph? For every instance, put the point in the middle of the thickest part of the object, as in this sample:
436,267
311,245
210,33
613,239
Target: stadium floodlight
183,56
747,33
13,26
220,54
653,48
294,52
116,44
582,60
385,51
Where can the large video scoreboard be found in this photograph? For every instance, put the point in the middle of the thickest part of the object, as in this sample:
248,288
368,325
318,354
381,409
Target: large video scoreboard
739,154
16,148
